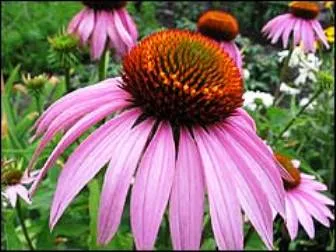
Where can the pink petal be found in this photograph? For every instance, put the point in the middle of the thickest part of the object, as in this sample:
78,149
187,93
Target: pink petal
80,96
99,35
233,51
273,22
244,118
278,25
86,25
286,32
122,32
311,208
304,217
226,217
11,194
304,36
115,41
74,132
315,185
292,222
87,160
152,187
23,193
129,24
279,31
320,33
187,196
265,168
125,157
297,31
317,195
251,196
75,21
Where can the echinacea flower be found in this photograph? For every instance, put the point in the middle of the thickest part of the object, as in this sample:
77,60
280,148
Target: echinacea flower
15,182
181,132
222,27
301,22
304,200
105,24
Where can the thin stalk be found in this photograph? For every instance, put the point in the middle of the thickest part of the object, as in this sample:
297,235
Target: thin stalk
24,228
103,64
283,72
285,239
67,80
291,122
38,103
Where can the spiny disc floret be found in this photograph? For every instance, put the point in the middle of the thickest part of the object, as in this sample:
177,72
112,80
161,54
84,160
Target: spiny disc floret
183,77
105,5
294,172
304,9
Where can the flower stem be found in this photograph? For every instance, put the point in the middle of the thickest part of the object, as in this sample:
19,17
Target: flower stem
291,122
283,72
38,103
24,228
285,240
103,64
67,80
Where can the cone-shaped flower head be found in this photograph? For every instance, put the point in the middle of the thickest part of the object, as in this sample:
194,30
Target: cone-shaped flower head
105,24
301,22
304,200
222,27
181,133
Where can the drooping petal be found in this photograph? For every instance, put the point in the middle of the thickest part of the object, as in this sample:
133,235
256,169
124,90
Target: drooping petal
287,31
87,160
318,196
187,196
23,193
115,40
310,37
279,32
75,21
304,36
297,31
125,157
311,208
251,196
273,22
128,23
319,31
86,25
292,222
314,185
233,51
152,186
226,217
122,32
245,118
304,217
75,98
265,168
99,36
11,195
74,132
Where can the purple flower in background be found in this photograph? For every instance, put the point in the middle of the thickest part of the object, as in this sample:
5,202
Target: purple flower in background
301,22
180,134
303,200
104,24
222,27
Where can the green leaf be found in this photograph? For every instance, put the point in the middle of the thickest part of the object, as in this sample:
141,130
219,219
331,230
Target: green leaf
11,79
209,244
12,240
94,193
45,239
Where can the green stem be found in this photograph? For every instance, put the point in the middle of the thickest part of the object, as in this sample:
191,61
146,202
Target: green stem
24,228
38,103
291,122
283,72
103,64
67,80
285,239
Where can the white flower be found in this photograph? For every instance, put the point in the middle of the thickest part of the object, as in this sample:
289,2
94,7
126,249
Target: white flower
304,101
251,99
246,74
289,90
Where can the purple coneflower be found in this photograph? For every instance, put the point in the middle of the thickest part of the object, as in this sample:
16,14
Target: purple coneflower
302,21
304,200
182,134
224,28
15,182
105,23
